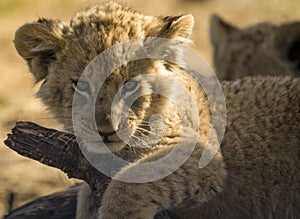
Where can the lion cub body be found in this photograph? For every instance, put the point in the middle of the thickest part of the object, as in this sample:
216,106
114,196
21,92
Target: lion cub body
257,167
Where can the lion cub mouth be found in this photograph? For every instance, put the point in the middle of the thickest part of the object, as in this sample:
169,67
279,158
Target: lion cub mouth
109,137
106,140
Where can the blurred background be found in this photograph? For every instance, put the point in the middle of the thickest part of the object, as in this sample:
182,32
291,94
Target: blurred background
28,179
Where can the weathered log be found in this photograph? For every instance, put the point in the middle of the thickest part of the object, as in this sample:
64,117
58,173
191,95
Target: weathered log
52,148
60,205
60,150
56,149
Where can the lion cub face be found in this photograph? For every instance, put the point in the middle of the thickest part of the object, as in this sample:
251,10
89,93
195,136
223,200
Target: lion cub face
57,53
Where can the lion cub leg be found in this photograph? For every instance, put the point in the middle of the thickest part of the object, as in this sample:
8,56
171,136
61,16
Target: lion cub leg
188,184
85,208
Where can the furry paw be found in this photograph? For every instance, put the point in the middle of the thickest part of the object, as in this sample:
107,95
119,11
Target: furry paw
127,200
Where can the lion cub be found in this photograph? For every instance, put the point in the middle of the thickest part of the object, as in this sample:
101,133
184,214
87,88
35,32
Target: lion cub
57,53
262,49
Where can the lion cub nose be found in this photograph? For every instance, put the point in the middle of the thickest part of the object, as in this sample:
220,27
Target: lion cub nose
103,121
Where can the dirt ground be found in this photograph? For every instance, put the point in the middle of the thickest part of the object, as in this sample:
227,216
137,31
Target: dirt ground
28,179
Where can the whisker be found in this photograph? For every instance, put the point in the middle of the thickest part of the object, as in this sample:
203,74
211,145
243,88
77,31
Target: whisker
145,130
139,141
145,122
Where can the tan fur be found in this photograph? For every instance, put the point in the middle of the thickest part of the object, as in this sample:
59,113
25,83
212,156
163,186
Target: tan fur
262,49
260,150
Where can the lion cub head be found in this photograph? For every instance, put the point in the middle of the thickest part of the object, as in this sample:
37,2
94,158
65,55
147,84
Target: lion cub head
57,53
261,49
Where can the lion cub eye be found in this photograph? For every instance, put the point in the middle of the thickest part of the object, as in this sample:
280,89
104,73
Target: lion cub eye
81,86
130,86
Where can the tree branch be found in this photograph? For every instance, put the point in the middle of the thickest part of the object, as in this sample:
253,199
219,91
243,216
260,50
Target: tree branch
56,149
60,150
60,205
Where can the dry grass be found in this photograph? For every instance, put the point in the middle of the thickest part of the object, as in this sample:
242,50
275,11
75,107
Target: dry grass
29,179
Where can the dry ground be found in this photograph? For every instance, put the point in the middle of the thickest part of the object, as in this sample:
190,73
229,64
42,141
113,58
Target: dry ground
29,179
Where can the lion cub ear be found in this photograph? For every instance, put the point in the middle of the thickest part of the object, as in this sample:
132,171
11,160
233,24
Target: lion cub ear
177,27
220,30
38,43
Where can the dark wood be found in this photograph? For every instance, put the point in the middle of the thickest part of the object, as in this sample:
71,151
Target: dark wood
60,150
56,149
60,205
52,148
